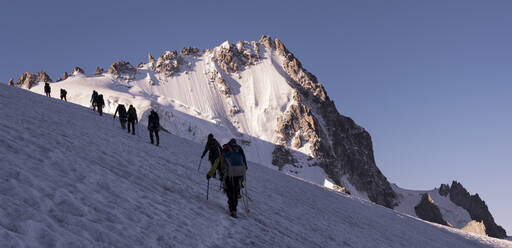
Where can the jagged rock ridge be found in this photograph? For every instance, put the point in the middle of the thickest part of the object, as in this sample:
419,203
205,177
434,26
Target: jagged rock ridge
310,123
475,206
27,80
341,147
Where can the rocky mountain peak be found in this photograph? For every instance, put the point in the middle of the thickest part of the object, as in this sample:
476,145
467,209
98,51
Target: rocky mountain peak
11,81
65,76
267,42
341,147
476,208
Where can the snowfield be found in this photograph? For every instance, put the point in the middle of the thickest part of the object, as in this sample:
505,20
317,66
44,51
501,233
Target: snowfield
191,105
455,215
70,178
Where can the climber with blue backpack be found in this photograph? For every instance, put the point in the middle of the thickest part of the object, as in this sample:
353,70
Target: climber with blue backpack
234,165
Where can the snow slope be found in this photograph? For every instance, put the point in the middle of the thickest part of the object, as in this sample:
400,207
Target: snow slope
408,199
70,178
190,104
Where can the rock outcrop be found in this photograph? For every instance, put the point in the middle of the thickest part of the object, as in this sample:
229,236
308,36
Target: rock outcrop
65,76
339,145
168,63
444,190
122,69
151,62
429,211
474,226
78,70
11,82
27,80
476,208
189,51
234,58
98,71
43,77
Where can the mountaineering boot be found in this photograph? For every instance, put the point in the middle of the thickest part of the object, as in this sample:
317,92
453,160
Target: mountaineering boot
233,214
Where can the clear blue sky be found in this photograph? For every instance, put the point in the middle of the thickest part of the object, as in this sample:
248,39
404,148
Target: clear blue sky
430,80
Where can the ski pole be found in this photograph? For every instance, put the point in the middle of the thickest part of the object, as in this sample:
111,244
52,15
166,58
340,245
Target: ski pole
207,189
199,164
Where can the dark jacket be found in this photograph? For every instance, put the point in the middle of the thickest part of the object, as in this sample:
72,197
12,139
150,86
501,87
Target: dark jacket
94,96
63,92
213,147
153,121
47,88
99,101
132,114
122,112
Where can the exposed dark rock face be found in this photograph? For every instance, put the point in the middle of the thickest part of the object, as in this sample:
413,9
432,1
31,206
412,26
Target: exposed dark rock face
78,70
65,76
11,82
429,211
168,63
282,156
98,71
58,79
341,146
122,69
189,51
477,209
444,190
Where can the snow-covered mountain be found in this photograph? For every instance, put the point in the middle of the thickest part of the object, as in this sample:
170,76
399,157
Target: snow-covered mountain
70,178
259,93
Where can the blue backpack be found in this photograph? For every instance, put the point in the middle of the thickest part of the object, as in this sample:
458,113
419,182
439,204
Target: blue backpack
234,162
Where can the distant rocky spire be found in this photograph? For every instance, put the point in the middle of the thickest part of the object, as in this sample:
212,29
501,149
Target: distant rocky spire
11,81
65,76
43,77
78,69
26,80
98,71
150,58
266,41
475,206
